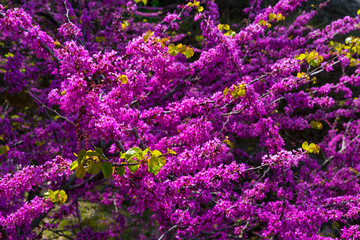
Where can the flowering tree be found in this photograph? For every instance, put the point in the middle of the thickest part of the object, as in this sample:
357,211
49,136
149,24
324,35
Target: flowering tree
118,123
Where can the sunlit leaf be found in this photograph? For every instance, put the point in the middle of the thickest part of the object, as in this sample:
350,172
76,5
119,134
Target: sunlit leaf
54,197
171,151
156,153
189,52
226,91
162,161
154,161
124,25
133,152
305,145
62,197
182,48
241,90
147,35
143,153
301,57
74,165
133,168
227,141
173,50
123,79
48,193
163,42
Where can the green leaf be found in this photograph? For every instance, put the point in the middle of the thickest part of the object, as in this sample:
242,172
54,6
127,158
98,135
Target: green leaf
54,196
81,155
147,35
123,78
101,153
171,151
100,39
305,145
154,165
121,170
272,16
9,55
226,91
48,193
143,153
182,48
125,24
62,197
227,141
4,149
133,168
94,167
154,161
143,1
241,90
156,153
234,93
155,169
162,161
99,150
74,165
199,38
91,153
173,50
132,153
80,171
189,52
230,33
107,169
301,57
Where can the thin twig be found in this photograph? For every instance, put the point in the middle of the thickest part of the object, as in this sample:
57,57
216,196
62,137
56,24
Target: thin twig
67,11
120,146
138,138
167,231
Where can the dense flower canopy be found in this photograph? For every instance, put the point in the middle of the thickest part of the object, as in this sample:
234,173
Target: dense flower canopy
119,122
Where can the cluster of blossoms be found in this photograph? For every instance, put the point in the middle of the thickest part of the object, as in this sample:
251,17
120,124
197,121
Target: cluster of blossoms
118,123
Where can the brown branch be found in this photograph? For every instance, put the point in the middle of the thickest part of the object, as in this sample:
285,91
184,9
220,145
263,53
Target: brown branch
137,137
